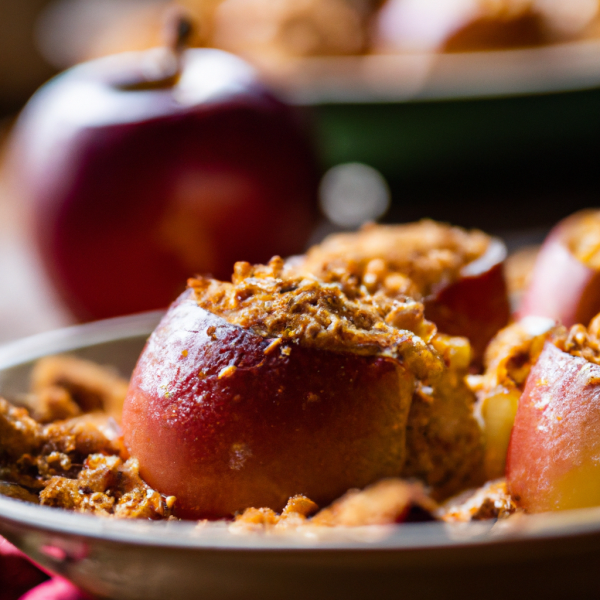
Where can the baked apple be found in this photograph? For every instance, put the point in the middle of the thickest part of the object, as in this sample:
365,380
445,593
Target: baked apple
142,169
553,458
565,282
271,386
457,274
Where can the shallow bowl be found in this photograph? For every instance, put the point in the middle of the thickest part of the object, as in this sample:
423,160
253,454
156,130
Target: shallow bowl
549,556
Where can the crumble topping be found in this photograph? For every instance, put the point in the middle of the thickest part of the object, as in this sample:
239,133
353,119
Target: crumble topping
413,259
515,349
76,463
511,355
491,501
274,303
64,387
386,502
580,340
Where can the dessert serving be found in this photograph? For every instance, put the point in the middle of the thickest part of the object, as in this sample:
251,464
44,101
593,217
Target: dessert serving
324,390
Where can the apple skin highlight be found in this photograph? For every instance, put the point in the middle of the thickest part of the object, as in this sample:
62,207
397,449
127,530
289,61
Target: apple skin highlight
224,419
554,450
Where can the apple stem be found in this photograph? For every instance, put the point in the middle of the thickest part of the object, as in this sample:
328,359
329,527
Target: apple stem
179,28
183,33
178,31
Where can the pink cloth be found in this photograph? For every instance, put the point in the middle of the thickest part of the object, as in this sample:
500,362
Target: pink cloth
21,579
55,589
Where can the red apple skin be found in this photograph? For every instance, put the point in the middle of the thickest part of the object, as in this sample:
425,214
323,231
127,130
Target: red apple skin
476,306
562,287
553,460
132,191
315,422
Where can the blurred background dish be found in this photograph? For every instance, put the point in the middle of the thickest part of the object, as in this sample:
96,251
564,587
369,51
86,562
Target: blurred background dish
70,31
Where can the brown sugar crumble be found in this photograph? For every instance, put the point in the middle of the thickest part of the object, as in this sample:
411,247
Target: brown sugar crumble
274,303
511,355
400,260
491,501
64,386
77,463
580,340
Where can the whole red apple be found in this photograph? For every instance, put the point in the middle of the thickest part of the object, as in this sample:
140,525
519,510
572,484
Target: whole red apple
554,450
225,419
565,282
139,175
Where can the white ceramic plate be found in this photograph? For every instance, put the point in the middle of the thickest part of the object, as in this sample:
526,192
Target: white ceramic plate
547,556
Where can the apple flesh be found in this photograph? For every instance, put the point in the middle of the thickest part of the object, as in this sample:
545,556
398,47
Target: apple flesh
509,359
222,422
135,184
476,306
553,460
563,287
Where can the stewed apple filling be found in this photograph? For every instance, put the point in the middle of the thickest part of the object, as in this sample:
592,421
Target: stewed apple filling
508,362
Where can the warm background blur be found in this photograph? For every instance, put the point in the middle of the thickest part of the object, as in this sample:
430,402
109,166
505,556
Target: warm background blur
478,112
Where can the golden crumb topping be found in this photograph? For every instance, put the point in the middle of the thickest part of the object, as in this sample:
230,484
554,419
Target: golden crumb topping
580,340
491,501
275,303
107,486
386,502
413,259
64,386
512,353
77,463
